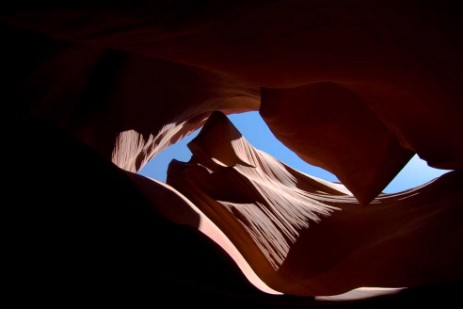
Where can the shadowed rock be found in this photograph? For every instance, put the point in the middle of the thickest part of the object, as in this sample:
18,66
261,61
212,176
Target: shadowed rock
305,236
120,84
330,126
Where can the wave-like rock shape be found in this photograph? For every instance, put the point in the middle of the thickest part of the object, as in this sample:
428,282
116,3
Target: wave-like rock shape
222,153
403,59
130,81
305,236
125,106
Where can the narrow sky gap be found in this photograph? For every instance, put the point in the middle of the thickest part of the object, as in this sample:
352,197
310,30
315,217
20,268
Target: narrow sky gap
254,129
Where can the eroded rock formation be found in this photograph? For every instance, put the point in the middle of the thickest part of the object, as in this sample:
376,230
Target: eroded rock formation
300,233
356,89
341,134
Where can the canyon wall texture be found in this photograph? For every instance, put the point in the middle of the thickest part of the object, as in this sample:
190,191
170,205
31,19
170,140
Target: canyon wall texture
94,92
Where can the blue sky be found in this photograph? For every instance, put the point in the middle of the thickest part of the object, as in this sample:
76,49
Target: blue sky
254,129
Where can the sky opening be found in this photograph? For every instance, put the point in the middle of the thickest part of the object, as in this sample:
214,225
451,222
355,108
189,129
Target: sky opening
254,129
